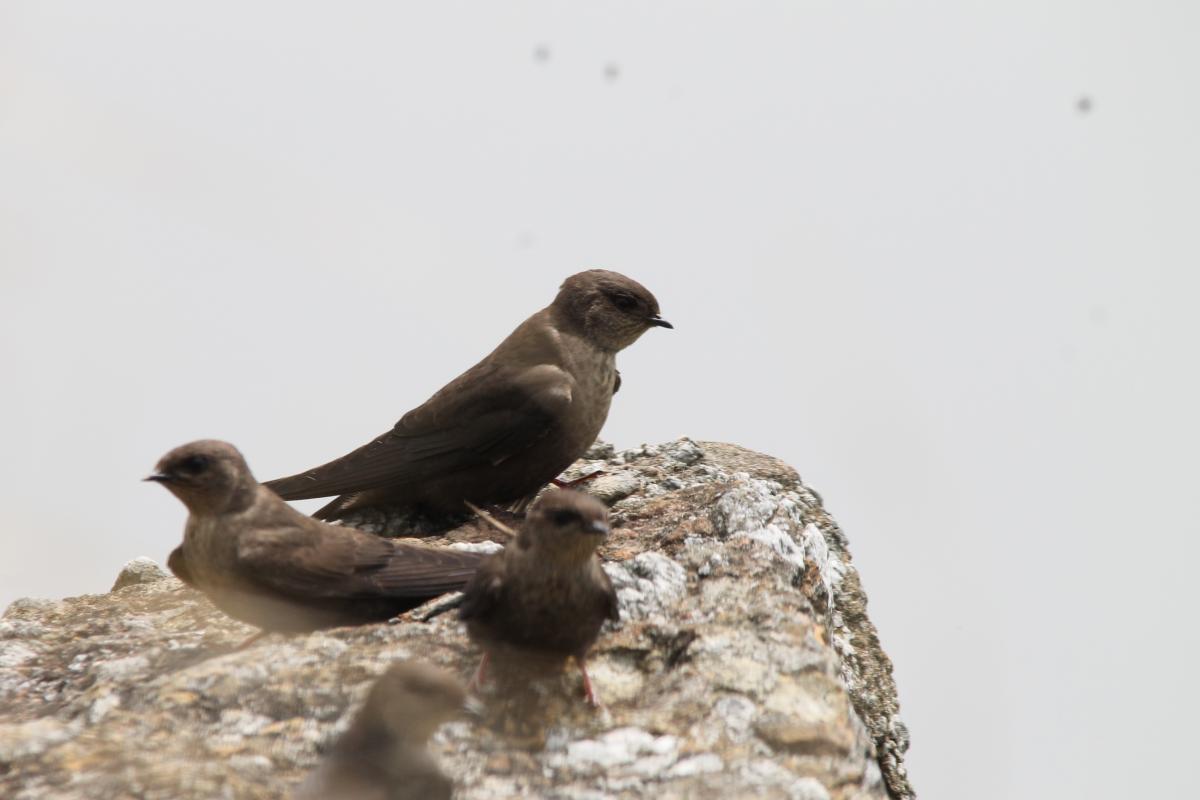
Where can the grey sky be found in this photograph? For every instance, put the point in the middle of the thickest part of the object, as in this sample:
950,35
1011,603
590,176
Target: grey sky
896,253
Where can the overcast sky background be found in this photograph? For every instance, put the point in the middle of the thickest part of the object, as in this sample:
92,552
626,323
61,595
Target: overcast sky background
897,252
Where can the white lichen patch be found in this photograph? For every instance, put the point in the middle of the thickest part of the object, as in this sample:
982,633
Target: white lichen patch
119,669
647,584
478,547
696,765
31,739
830,567
746,507
14,653
778,540
624,751
106,700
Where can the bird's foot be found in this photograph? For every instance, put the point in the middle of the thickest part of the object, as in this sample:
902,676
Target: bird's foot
480,673
589,691
578,481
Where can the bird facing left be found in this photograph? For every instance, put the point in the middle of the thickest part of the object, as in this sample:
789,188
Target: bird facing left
264,563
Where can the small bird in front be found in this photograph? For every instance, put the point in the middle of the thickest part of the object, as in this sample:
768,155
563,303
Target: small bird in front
382,755
264,563
506,427
546,592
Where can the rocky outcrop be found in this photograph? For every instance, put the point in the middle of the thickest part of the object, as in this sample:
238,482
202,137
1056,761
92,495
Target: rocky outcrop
744,666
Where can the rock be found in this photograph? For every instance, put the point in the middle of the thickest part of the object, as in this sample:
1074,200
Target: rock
646,584
140,570
808,789
611,487
618,753
599,450
744,665
30,739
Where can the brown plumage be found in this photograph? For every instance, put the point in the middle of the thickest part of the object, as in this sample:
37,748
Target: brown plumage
507,426
262,562
382,755
546,592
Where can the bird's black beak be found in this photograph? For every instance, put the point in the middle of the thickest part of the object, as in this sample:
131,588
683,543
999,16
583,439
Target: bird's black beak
658,322
160,477
598,526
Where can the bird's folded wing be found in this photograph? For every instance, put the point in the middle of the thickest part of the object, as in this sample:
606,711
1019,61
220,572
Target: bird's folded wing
484,592
421,571
294,562
177,563
485,420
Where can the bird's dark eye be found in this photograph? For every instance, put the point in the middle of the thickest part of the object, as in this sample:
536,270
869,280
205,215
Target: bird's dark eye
194,464
565,517
625,302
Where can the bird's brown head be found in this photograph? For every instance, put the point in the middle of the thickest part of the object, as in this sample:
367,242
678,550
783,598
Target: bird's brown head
209,476
411,700
612,311
565,524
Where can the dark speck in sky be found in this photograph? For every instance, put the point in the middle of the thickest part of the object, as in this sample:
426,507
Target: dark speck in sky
612,71
1084,104
541,53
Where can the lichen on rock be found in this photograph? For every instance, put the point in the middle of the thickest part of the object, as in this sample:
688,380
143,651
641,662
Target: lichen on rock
744,664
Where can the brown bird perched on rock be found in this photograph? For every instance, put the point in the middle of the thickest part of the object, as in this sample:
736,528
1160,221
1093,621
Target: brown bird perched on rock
263,562
507,426
545,593
382,755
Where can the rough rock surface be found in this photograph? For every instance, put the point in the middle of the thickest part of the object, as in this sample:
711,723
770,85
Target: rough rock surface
744,665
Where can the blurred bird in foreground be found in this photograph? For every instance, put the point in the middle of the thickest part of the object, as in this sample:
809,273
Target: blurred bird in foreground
382,755
262,562
546,592
507,426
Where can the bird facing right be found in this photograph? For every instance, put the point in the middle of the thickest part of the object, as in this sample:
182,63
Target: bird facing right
545,593
506,427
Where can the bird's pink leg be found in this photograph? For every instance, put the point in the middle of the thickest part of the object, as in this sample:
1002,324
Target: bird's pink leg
589,691
480,672
577,481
